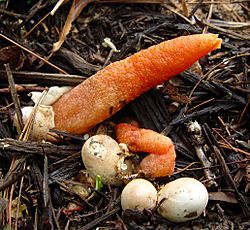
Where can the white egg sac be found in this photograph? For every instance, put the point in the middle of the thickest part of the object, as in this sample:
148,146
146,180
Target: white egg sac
182,200
139,194
101,156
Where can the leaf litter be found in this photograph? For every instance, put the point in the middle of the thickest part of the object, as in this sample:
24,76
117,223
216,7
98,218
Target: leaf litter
38,179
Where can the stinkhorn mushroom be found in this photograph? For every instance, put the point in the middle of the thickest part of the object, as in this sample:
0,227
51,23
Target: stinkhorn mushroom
107,91
161,160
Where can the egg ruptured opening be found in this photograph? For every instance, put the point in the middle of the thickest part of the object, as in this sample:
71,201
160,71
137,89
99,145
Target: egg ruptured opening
42,120
97,149
123,166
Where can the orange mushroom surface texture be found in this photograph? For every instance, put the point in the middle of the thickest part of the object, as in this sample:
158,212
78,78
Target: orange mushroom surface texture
107,91
161,159
159,165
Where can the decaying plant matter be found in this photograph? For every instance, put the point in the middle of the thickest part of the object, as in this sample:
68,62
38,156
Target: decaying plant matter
45,185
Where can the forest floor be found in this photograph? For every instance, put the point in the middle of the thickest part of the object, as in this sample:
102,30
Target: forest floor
43,184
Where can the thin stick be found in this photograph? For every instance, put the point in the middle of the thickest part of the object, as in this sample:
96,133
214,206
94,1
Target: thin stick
186,168
219,2
194,130
199,105
130,1
45,182
219,155
10,205
177,13
48,78
18,199
197,6
226,146
93,223
191,93
14,96
224,140
34,54
223,62
229,33
6,107
244,112
184,8
208,17
11,14
12,181
37,24
29,123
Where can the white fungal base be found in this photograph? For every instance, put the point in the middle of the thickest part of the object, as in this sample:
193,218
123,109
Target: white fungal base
139,194
182,200
103,156
52,95
42,123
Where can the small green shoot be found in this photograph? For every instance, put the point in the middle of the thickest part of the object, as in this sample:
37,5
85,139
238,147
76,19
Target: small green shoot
98,186
98,183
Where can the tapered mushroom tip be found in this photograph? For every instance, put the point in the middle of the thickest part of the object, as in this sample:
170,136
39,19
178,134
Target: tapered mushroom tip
208,42
216,41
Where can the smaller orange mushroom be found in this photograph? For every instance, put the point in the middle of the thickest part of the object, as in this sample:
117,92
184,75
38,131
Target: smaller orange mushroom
161,159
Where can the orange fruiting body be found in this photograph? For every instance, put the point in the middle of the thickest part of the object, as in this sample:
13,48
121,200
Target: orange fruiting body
142,140
159,165
161,160
107,91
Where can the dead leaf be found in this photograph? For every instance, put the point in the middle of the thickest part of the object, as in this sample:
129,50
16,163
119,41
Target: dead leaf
71,208
223,196
76,8
173,92
11,55
197,69
21,208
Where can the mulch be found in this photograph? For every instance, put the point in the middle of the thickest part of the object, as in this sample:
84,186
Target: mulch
38,179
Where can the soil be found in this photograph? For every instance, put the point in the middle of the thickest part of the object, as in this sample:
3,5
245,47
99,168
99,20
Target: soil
43,184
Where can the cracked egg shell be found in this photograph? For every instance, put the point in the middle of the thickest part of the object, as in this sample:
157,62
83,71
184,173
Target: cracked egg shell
139,194
43,121
182,200
101,156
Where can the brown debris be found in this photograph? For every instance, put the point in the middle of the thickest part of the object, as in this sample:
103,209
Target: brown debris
37,178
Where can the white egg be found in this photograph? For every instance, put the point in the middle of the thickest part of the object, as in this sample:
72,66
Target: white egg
42,123
139,194
53,94
103,156
182,200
